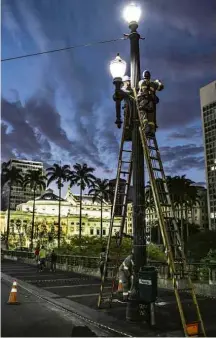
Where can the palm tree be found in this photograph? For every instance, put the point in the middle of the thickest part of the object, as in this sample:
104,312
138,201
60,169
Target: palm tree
12,176
59,174
151,210
183,193
35,180
101,191
82,177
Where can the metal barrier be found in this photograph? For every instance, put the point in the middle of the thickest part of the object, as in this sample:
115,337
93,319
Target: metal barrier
199,272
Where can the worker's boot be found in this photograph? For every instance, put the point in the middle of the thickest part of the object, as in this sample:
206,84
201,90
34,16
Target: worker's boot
150,130
125,296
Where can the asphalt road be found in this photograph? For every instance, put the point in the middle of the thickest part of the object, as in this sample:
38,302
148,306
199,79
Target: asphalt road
33,317
84,290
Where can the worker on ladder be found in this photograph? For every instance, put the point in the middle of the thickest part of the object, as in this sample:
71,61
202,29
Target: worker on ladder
147,101
126,88
126,275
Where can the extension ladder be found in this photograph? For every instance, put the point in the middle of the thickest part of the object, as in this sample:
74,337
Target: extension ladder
176,258
125,169
168,227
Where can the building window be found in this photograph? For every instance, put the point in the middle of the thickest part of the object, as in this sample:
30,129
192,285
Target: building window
72,223
83,223
77,223
104,232
98,232
91,231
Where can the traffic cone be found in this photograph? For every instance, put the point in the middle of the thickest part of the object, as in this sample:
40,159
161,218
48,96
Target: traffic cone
120,286
13,295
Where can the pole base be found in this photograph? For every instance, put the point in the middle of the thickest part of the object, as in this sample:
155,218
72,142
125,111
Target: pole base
13,303
133,311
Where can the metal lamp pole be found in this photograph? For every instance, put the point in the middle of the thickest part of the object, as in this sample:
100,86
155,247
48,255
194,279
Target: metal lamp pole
139,240
118,68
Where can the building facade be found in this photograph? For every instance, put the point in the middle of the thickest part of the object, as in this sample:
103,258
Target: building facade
46,217
18,193
196,215
120,195
208,111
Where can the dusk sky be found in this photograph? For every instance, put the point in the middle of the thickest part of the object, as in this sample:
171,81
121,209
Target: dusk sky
59,107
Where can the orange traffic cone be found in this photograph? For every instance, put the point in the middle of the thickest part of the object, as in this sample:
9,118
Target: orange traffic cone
120,286
13,295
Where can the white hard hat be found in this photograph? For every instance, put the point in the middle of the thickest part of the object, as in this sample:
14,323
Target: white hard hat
125,78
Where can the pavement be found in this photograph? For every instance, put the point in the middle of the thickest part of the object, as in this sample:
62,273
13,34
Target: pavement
80,293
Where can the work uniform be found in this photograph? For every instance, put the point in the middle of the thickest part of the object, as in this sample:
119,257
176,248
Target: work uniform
147,101
127,106
53,261
42,258
102,262
125,275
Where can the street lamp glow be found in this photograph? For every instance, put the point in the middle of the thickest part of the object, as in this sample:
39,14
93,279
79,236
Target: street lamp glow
132,13
118,67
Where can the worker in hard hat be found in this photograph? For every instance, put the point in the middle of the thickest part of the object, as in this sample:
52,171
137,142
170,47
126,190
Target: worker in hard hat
126,87
147,101
126,275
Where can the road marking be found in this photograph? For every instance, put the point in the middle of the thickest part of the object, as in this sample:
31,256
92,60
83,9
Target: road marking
54,280
36,275
85,295
18,269
71,286
20,272
163,303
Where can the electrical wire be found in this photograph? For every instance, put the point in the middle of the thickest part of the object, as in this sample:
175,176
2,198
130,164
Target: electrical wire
62,49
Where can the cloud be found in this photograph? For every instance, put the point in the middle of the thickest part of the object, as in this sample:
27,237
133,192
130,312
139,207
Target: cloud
36,132
182,158
201,183
190,16
72,114
186,133
22,136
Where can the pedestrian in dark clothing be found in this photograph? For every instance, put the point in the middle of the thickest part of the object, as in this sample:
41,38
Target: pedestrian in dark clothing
53,261
102,261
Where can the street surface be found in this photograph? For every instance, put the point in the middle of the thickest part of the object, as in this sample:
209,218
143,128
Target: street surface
32,318
84,290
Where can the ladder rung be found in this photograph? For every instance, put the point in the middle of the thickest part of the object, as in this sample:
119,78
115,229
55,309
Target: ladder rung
126,151
157,169
152,148
124,172
126,161
184,289
154,158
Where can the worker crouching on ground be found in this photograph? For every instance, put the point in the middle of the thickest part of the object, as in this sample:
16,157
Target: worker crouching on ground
126,275
147,101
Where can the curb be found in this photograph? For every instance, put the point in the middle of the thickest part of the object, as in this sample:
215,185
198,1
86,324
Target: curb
84,313
91,316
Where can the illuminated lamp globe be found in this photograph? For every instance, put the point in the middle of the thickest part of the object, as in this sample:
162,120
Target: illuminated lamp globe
132,13
118,67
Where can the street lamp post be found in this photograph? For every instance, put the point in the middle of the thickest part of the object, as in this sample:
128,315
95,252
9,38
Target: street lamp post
132,14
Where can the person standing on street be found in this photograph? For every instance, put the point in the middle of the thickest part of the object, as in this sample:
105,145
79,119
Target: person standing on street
42,257
37,251
53,261
102,261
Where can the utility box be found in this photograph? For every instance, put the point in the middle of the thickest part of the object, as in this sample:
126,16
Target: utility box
148,284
